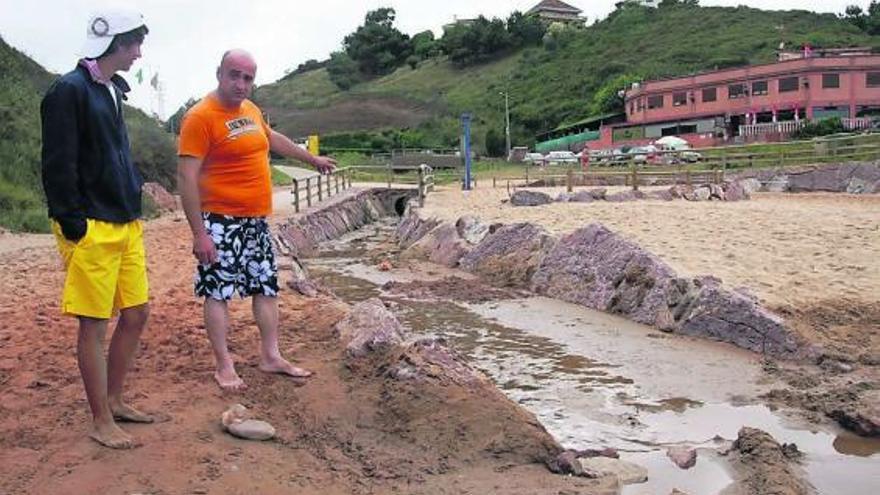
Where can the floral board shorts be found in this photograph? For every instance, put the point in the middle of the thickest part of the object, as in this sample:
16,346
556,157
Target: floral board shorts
245,259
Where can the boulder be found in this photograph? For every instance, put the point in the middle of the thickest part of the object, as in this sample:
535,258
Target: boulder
597,268
681,191
662,195
369,328
509,256
750,185
564,197
683,457
627,472
777,183
702,193
735,191
523,197
471,229
598,194
716,192
585,197
441,245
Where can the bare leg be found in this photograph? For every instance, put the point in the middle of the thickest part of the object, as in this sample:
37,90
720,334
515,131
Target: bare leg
266,313
123,346
217,323
93,368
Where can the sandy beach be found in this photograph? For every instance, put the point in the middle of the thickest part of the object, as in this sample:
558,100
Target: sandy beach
791,250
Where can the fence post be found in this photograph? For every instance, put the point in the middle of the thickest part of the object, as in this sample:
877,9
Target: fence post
348,174
527,175
421,187
568,178
309,191
687,177
336,182
329,192
296,195
493,182
320,189
388,173
635,178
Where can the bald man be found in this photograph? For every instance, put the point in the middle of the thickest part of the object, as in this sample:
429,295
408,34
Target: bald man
225,185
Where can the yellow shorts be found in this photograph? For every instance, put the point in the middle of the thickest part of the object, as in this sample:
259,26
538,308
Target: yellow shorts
106,269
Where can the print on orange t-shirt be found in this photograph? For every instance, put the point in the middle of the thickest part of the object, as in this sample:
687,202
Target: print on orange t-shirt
235,178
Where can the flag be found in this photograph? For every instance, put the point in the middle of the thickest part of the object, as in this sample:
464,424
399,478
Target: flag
139,75
154,82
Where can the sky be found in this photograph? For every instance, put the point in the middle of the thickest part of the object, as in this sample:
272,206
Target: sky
188,37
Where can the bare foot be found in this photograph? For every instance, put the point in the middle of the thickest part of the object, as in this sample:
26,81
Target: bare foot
282,366
112,436
229,381
124,412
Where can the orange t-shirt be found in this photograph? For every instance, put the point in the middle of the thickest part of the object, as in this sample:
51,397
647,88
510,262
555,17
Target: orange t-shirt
235,178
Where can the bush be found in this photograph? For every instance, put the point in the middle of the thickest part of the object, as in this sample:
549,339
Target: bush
818,128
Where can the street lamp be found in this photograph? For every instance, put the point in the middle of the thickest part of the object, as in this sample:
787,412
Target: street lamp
506,122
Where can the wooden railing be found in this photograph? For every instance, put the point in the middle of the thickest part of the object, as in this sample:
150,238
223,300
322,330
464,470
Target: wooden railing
318,187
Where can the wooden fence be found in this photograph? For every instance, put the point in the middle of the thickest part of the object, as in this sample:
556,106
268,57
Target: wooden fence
317,187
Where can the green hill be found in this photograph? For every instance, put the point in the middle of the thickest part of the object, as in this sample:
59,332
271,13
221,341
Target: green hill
22,85
549,85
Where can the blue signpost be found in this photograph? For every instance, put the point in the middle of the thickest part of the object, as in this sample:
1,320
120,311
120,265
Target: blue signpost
466,145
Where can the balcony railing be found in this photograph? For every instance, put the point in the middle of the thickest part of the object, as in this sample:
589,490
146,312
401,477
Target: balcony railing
786,127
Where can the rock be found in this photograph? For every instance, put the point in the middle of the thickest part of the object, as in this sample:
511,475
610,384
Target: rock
857,186
862,419
237,421
683,457
164,200
716,192
252,429
234,414
369,328
681,191
870,359
442,245
676,491
750,185
564,197
734,191
566,463
598,194
599,269
471,229
523,197
627,472
584,197
778,183
702,193
412,227
509,256
384,266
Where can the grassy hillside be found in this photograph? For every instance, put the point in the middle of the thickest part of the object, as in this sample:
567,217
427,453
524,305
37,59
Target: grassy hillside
22,85
551,87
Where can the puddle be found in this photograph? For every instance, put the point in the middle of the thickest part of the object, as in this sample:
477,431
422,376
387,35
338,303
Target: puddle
596,380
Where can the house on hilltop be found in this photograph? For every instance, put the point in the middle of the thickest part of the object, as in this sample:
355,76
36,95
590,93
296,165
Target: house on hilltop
557,11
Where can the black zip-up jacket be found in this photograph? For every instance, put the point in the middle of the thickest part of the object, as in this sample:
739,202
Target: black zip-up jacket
88,171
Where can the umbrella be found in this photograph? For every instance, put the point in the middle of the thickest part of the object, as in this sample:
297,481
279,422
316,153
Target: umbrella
672,142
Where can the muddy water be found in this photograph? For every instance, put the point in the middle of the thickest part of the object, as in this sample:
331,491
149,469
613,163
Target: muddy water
596,380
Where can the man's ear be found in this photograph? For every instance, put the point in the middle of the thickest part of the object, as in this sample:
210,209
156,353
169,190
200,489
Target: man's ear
218,74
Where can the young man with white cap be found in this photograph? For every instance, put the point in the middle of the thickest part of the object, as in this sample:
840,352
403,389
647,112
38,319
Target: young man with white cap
93,192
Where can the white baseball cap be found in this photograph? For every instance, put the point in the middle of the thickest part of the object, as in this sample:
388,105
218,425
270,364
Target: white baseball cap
104,26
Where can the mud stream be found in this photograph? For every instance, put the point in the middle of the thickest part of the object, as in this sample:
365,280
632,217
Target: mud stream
596,380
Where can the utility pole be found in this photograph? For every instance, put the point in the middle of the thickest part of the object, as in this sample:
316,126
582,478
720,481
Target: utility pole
506,122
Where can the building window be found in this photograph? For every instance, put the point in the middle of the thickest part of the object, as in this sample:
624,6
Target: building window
759,88
709,94
787,84
632,107
655,102
679,99
872,80
830,80
735,91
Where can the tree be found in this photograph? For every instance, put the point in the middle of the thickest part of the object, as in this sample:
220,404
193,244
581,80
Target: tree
525,29
378,47
495,143
424,45
342,70
608,98
172,125
478,42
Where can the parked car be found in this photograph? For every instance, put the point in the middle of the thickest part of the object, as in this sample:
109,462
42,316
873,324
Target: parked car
535,158
557,157
690,156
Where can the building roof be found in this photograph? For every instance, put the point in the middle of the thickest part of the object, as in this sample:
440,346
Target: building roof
554,6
